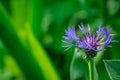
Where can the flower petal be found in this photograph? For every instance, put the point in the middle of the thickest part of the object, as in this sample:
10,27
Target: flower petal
70,34
82,28
89,31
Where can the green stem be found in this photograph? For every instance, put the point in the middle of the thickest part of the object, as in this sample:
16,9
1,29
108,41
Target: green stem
91,69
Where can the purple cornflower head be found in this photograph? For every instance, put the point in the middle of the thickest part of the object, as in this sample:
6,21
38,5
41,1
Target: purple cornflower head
91,42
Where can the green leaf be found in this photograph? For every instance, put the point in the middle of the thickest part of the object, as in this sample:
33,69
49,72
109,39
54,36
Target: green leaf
78,69
96,77
43,60
113,69
35,17
19,13
5,19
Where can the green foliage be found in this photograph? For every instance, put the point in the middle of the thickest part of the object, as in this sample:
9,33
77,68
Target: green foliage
79,68
31,32
27,59
113,69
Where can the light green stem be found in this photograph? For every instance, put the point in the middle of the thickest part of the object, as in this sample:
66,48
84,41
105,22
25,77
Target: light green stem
91,69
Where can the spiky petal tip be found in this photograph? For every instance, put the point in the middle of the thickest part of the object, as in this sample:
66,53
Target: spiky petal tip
89,41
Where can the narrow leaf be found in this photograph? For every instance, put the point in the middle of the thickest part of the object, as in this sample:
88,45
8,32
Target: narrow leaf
113,69
78,68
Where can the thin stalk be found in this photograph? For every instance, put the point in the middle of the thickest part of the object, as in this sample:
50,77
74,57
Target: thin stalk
91,69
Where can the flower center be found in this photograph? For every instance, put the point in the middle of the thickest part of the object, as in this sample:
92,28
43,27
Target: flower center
91,53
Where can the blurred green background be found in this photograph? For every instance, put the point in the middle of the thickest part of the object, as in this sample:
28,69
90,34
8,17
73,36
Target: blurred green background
31,32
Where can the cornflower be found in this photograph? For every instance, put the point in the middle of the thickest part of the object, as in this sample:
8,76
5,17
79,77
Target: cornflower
91,41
